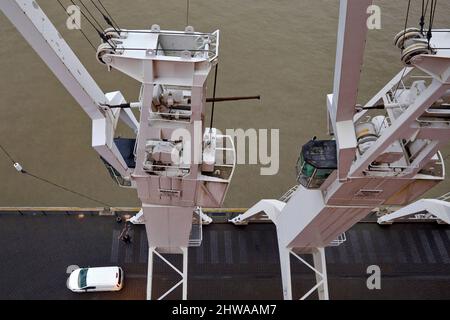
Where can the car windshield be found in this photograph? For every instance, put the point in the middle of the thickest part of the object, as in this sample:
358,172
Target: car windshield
82,278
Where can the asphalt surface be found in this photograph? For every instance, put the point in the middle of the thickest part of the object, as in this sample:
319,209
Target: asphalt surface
233,262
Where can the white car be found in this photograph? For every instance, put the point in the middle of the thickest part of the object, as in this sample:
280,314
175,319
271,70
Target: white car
96,279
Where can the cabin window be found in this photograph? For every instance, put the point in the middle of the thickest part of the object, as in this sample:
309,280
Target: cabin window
82,278
316,163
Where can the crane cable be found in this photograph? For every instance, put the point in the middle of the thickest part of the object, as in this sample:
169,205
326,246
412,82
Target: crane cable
17,165
79,27
100,32
19,169
106,17
406,26
187,12
422,17
403,47
86,17
109,15
91,15
430,27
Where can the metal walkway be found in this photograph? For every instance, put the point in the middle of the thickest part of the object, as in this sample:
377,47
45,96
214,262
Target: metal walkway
233,262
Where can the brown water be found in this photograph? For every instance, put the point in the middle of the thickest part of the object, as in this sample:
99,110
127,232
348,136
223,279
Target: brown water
281,49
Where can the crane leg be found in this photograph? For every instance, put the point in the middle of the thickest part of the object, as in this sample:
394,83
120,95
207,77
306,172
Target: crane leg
318,267
182,273
285,262
321,267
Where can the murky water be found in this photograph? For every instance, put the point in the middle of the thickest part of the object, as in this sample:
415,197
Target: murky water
281,49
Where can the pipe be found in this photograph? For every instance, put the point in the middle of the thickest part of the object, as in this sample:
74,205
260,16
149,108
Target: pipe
224,99
221,99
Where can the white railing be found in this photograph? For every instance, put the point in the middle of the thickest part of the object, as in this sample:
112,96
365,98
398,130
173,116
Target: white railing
340,240
445,197
196,236
227,147
213,48
287,196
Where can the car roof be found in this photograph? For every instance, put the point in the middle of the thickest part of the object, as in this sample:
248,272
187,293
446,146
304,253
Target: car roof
104,276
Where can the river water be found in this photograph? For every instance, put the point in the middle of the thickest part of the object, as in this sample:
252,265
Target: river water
283,50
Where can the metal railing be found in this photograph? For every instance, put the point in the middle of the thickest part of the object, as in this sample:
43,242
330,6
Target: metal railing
287,196
340,240
445,197
207,45
196,236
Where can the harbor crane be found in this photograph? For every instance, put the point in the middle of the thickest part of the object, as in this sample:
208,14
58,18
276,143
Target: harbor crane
176,164
383,153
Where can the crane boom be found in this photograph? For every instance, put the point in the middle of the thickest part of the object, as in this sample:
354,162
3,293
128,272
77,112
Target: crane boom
44,38
41,34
